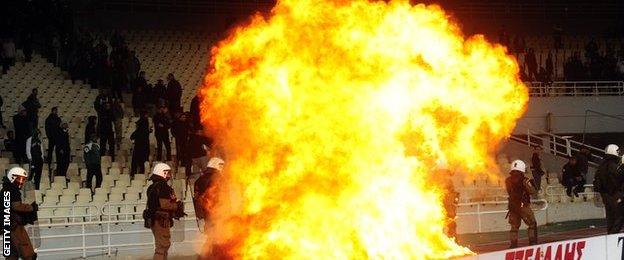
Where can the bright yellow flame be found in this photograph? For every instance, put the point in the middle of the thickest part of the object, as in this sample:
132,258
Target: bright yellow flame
333,114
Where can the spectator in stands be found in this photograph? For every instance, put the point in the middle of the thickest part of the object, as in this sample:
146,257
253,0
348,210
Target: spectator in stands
550,67
102,98
536,167
159,93
93,162
9,143
52,127
572,178
174,93
134,66
91,128
23,130
162,124
194,113
150,99
32,106
63,151
27,46
140,153
105,130
181,130
139,81
199,147
1,118
591,49
34,151
138,99
531,63
582,159
8,54
118,115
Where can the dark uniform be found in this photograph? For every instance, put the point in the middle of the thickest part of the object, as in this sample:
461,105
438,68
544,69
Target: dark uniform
63,155
52,126
608,182
520,189
35,155
162,207
140,153
162,123
21,214
200,190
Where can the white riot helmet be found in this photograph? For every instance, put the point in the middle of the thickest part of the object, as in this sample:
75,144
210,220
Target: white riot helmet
17,176
612,150
518,165
162,170
216,163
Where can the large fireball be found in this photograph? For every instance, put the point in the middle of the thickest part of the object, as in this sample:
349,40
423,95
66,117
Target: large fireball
332,115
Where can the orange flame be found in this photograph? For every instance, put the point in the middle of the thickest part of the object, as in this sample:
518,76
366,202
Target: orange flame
333,114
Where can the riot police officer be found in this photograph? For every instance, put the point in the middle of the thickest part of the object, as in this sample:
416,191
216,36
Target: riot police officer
202,200
162,208
21,214
608,182
520,189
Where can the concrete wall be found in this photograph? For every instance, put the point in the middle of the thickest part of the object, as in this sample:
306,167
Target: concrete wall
568,114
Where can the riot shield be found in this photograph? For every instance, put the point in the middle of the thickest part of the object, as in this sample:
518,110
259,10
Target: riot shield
28,196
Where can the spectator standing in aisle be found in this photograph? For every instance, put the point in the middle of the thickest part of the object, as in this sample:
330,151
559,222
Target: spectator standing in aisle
118,115
101,100
32,106
572,178
22,132
52,127
531,63
159,93
140,153
34,151
63,151
162,123
91,128
174,93
134,66
139,96
27,47
9,143
181,131
536,167
93,162
8,54
194,113
105,130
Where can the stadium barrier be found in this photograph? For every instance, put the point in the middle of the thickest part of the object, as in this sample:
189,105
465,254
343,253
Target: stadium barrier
480,213
609,247
576,88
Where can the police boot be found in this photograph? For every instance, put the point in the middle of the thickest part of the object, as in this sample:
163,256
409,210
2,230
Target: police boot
513,243
532,236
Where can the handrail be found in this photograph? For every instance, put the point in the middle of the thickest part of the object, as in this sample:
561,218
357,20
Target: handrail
562,147
575,88
479,212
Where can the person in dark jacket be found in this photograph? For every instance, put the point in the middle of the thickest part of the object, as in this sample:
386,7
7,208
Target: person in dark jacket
101,100
105,130
90,129
118,115
582,159
174,93
162,123
181,130
159,93
194,113
520,189
34,151
63,151
9,142
22,132
536,167
140,153
93,162
32,106
572,178
52,127
608,182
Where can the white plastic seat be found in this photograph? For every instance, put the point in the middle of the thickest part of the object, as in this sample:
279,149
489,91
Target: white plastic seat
137,183
115,198
67,200
139,177
57,186
132,197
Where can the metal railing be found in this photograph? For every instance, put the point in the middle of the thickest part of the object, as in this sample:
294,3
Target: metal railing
575,88
479,213
557,145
